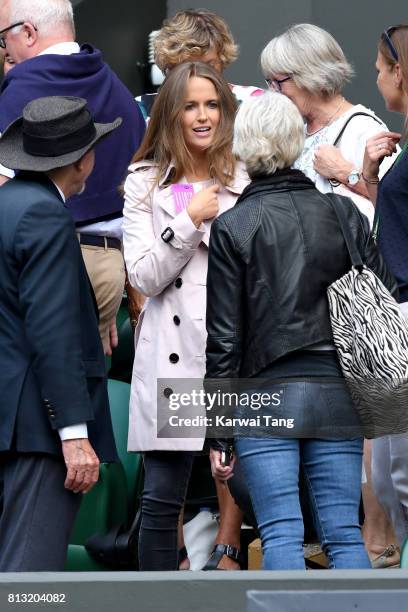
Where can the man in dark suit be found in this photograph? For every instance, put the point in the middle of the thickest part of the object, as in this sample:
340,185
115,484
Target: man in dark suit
54,414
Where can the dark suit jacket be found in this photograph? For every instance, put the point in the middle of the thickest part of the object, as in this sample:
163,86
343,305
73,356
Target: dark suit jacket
52,368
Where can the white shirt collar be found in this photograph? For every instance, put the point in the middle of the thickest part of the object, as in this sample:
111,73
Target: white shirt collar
59,190
63,48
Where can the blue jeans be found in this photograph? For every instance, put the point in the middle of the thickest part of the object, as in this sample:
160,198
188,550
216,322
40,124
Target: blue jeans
332,469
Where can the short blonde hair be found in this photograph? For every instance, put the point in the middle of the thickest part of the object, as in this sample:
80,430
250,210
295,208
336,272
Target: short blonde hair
189,35
269,133
311,56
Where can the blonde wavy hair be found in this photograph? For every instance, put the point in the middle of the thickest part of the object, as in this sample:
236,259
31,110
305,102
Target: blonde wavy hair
191,34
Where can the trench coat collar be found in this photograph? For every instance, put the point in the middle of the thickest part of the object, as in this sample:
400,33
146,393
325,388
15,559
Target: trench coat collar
165,196
237,186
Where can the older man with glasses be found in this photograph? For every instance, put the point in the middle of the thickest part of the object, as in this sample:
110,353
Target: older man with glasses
3,41
43,33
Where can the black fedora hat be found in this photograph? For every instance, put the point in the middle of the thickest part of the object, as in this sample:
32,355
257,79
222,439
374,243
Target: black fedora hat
52,133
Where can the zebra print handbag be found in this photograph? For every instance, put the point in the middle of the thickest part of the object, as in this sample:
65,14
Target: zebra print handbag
371,337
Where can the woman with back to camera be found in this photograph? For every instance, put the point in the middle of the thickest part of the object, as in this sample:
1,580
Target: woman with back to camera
268,320
308,66
188,142
390,197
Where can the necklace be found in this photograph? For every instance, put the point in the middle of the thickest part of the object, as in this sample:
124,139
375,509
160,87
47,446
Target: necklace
329,120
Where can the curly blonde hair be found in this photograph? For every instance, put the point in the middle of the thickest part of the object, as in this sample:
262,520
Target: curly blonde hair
191,34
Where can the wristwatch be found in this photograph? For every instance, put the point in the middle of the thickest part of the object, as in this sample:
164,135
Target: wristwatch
354,177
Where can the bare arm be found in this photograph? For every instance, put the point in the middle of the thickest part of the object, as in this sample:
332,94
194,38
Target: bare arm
383,144
330,163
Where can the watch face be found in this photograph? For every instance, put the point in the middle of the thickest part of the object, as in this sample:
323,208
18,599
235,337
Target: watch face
353,178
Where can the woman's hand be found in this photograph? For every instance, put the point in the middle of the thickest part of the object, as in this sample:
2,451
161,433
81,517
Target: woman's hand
203,205
379,146
330,163
219,471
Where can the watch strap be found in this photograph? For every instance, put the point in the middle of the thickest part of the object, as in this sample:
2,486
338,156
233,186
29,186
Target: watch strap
167,234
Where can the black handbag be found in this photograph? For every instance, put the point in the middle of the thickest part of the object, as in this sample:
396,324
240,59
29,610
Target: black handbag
117,548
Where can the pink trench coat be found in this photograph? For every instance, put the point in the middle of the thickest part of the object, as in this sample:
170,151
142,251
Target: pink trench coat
170,338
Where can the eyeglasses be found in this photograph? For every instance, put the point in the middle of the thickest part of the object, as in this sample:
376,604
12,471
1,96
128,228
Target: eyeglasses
3,41
276,84
387,38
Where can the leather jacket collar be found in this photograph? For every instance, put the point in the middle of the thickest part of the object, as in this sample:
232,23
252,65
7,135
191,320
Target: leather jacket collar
286,179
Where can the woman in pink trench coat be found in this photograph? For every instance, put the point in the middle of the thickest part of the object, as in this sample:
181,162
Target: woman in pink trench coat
170,336
166,251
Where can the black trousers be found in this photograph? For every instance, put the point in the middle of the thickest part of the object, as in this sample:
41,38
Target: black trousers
167,474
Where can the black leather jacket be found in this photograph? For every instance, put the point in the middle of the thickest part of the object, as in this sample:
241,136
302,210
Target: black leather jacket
271,258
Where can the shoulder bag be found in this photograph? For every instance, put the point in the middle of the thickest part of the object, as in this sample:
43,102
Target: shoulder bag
371,337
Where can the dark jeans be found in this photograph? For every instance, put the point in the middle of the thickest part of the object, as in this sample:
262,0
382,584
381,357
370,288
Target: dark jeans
167,474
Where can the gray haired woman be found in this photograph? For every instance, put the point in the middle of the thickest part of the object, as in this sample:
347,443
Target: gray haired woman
307,64
268,321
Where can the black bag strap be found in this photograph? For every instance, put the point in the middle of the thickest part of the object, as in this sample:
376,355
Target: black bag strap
335,182
340,134
338,207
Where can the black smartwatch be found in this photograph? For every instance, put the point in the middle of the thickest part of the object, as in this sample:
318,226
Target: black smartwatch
167,235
